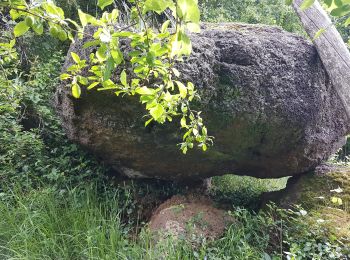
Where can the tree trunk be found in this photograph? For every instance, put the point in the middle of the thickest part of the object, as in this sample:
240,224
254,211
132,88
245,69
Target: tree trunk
330,46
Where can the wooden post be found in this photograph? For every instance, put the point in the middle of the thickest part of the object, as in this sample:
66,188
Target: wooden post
331,48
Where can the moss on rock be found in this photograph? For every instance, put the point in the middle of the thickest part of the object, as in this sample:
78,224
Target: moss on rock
265,97
319,192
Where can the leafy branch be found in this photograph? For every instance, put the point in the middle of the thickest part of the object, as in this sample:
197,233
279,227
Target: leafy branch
147,70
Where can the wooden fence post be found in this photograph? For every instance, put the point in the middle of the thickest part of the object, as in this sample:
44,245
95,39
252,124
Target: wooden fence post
330,46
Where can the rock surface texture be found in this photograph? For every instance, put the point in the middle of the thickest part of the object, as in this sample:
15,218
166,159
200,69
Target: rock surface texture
189,217
266,99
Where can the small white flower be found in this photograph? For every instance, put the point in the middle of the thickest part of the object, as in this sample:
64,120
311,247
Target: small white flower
320,197
337,190
319,221
303,212
105,36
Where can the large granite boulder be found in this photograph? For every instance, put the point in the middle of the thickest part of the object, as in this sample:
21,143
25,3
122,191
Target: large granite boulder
266,99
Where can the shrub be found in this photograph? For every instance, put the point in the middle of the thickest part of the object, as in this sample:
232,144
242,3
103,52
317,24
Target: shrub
33,146
271,12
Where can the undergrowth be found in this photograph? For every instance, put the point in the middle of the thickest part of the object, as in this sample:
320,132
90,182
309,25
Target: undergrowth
92,222
270,12
244,190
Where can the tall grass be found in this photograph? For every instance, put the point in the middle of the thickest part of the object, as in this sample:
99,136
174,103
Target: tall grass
90,223
41,224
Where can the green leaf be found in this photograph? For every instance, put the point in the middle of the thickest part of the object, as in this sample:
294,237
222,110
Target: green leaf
182,89
54,10
64,76
135,83
161,51
82,17
148,122
20,29
70,37
341,11
319,33
144,91
123,79
92,85
188,10
91,43
117,56
77,26
157,6
338,3
183,122
193,27
146,99
104,3
134,53
186,45
150,58
108,84
306,4
29,20
101,53
54,31
12,43
114,15
328,2
75,57
15,14
76,91
347,22
38,28
108,69
157,112
165,26
83,80
62,35
289,2
87,18
123,34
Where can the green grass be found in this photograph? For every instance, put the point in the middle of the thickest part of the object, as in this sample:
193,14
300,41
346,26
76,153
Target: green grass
90,223
95,222
244,190
73,225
